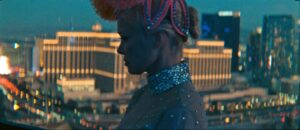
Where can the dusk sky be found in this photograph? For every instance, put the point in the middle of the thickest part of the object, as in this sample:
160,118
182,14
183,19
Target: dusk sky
20,18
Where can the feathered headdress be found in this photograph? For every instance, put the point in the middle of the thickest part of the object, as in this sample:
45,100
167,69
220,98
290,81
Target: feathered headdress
107,8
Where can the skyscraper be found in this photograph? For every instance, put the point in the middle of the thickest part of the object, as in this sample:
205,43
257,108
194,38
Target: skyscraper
254,55
210,64
84,55
278,47
224,26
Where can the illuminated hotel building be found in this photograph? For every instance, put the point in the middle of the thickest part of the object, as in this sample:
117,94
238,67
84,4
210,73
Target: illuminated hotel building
210,64
84,55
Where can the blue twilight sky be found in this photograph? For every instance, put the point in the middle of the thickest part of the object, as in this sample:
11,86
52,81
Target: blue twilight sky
29,18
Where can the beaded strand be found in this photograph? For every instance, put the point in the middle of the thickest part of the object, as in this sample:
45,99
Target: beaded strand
166,5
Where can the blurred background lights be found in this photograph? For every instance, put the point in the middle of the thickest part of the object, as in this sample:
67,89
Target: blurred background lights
4,65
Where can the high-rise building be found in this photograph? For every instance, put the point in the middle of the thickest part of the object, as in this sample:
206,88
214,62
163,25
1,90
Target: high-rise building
278,47
38,62
84,55
210,64
224,26
254,56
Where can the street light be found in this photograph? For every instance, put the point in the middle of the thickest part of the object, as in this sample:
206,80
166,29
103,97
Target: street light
16,45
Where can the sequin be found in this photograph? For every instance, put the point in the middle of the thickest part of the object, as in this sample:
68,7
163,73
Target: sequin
146,125
169,78
171,116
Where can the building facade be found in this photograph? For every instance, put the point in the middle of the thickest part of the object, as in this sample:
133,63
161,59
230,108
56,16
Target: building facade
210,64
225,26
78,89
84,55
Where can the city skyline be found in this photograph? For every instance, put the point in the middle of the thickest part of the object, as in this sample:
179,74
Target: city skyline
58,68
31,18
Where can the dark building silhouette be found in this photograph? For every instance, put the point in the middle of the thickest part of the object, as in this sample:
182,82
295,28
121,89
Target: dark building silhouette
254,56
223,26
278,47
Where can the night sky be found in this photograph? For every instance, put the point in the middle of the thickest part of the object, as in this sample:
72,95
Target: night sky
29,18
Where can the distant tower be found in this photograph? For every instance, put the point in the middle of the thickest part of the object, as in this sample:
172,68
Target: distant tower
278,47
225,26
254,55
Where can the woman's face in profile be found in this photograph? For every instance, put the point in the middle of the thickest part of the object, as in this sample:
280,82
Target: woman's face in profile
138,48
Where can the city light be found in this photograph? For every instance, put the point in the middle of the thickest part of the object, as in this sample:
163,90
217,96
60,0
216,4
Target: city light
4,65
270,62
16,107
16,45
227,120
34,101
259,30
229,13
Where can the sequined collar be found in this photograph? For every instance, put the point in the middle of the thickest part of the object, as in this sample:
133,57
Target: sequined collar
169,78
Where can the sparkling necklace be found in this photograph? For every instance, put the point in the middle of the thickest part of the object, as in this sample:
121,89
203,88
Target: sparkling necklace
169,78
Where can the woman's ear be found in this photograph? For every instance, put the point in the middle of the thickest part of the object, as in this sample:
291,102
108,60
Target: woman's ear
161,38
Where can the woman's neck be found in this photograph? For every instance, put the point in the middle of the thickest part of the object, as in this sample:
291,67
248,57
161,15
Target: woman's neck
165,60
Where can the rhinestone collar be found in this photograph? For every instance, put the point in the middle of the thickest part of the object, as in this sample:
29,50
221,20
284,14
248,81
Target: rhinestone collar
169,78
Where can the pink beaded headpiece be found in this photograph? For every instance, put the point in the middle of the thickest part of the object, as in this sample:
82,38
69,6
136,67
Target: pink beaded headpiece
107,9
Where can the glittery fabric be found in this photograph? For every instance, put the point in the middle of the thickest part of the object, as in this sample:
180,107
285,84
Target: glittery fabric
168,78
174,105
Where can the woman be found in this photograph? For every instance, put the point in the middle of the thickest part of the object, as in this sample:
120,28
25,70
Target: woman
152,36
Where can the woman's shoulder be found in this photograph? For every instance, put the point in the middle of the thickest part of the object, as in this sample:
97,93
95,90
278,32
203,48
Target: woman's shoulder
183,117
182,97
187,108
135,96
186,94
138,92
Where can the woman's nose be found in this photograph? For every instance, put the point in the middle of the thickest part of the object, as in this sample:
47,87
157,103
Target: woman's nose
121,49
